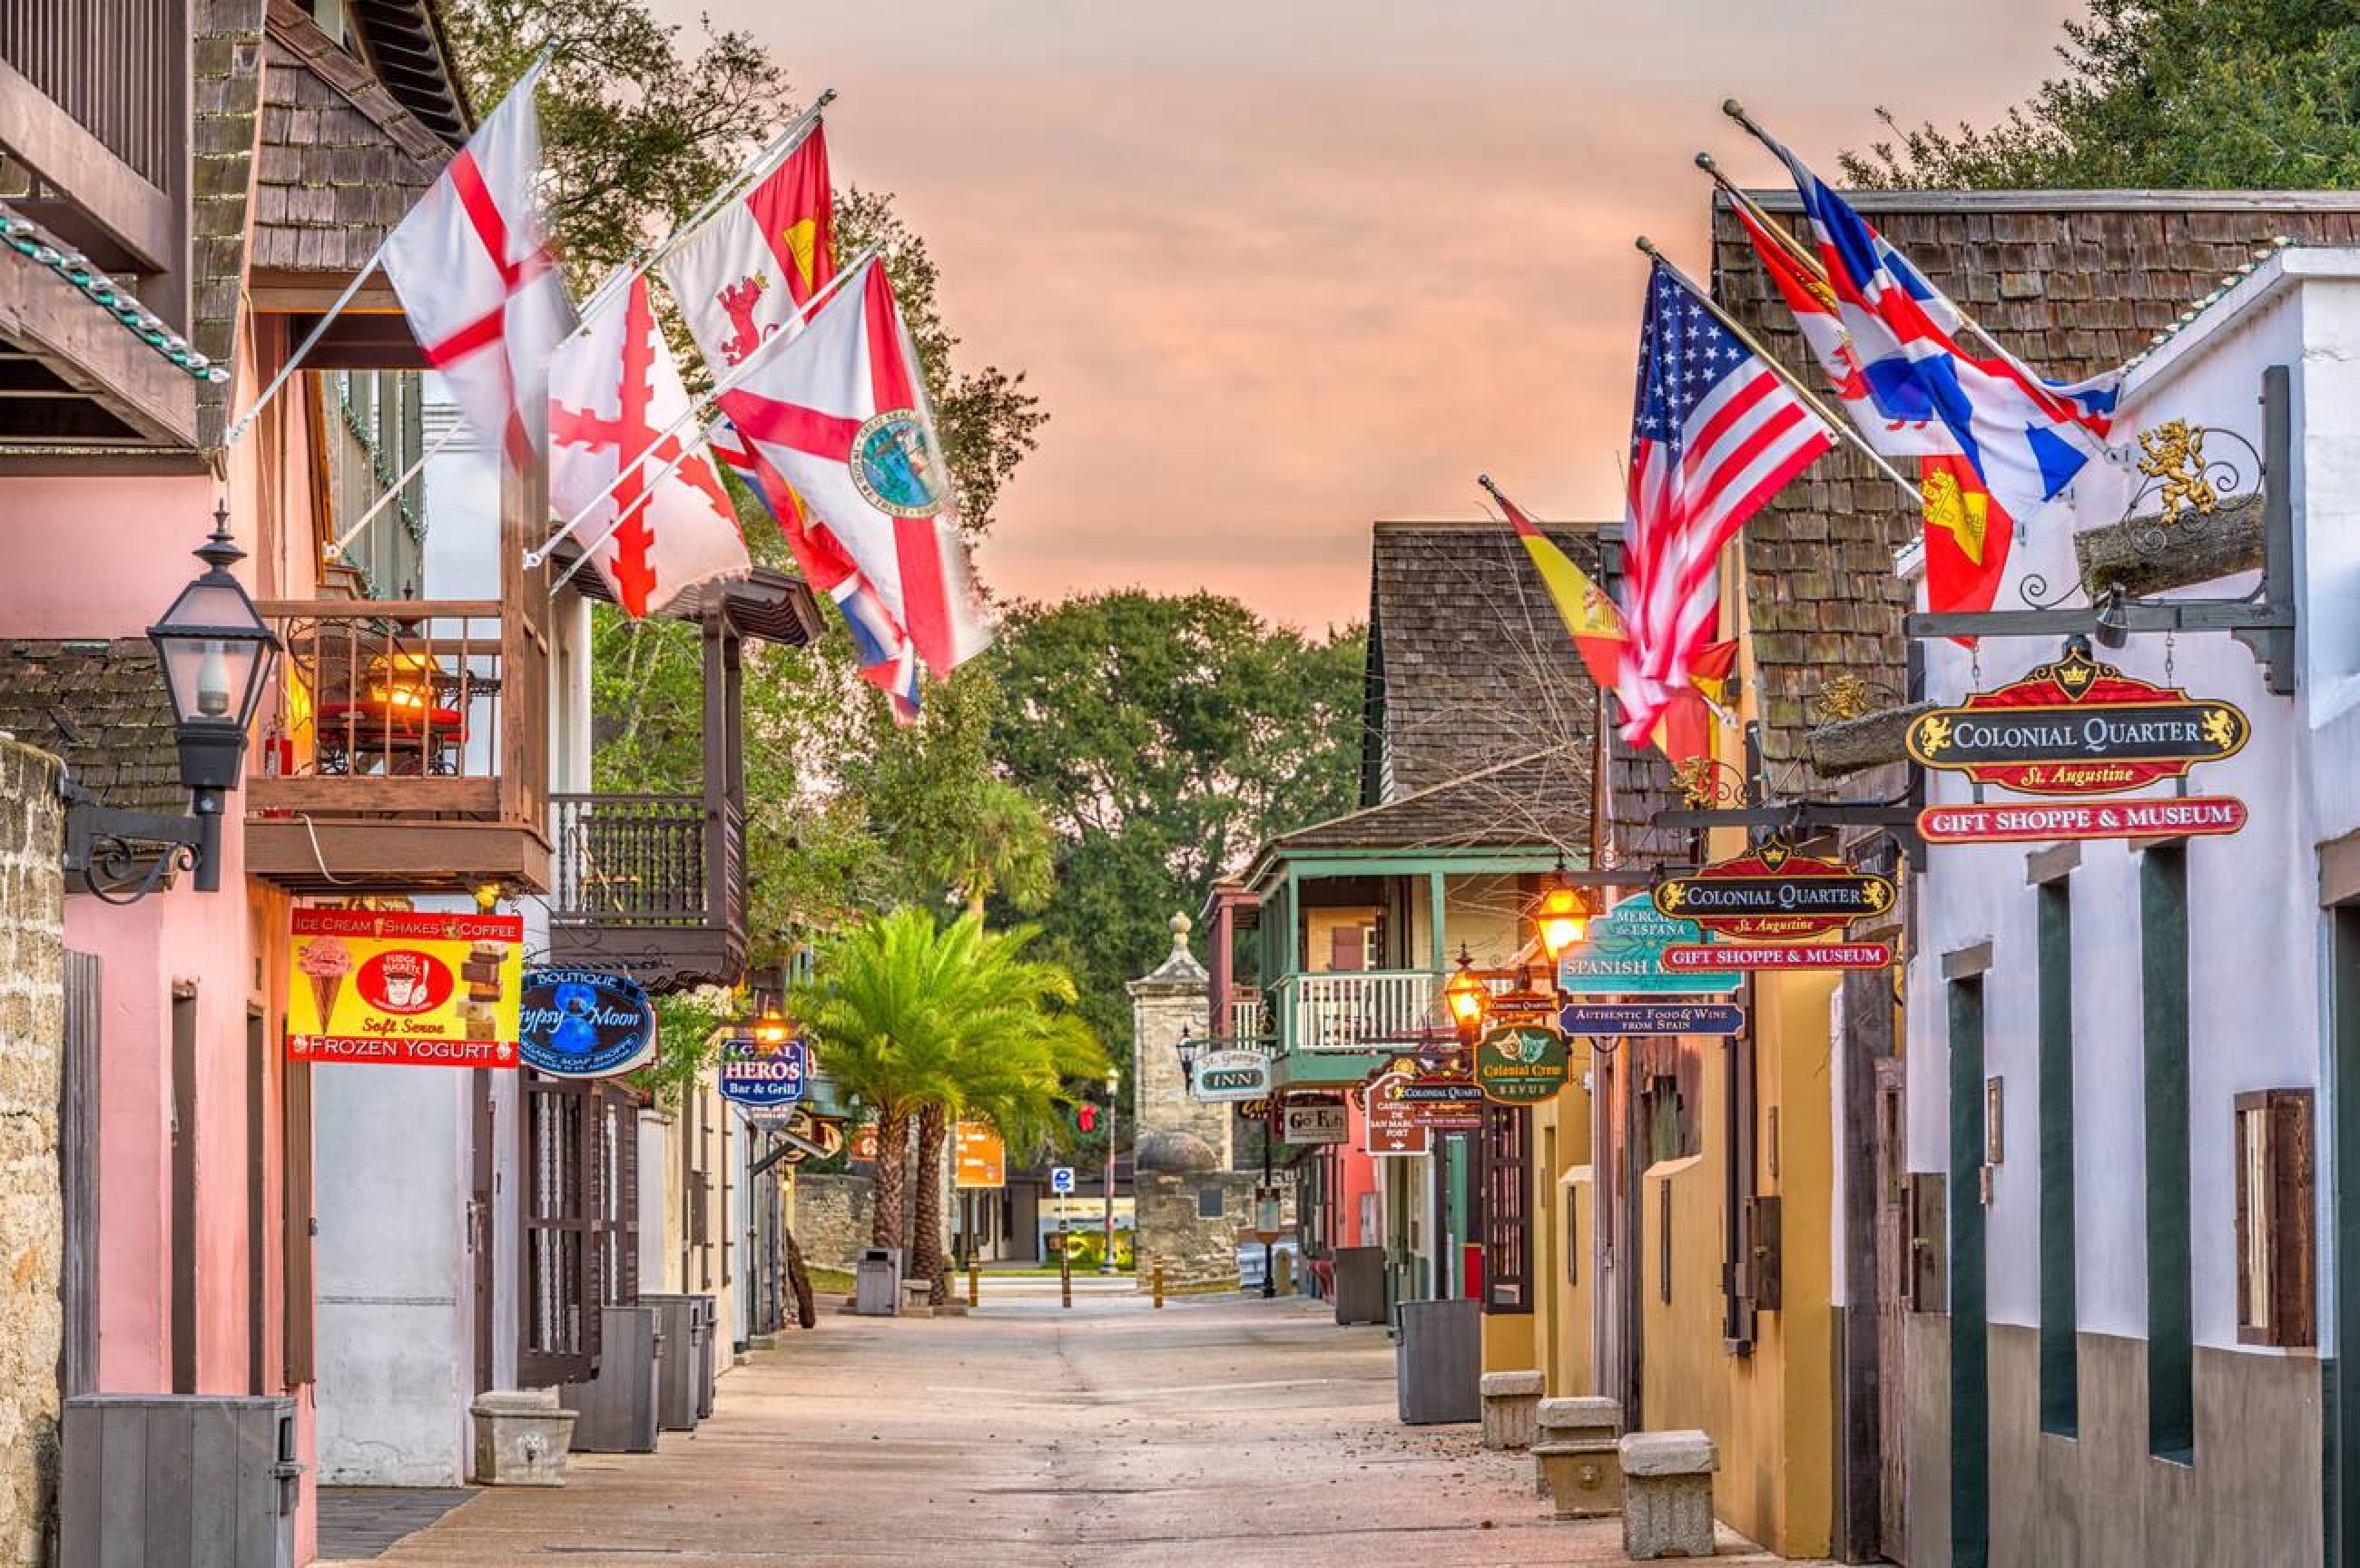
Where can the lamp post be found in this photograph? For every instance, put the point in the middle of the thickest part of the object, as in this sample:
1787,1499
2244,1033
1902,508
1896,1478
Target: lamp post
1113,1086
215,655
1188,1048
1468,999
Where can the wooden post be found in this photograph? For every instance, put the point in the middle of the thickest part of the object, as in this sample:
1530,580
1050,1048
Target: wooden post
1064,1265
1158,1286
973,1279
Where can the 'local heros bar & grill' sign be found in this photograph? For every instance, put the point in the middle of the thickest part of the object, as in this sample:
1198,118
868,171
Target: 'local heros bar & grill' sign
407,988
765,1074
2078,727
584,1023
1521,1064
1770,893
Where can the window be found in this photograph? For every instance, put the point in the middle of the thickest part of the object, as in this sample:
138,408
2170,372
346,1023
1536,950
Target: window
1208,1203
2059,1350
1506,1183
2163,1023
2276,1257
560,1342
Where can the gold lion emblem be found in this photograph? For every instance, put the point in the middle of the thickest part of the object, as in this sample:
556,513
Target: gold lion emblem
1933,734
2220,729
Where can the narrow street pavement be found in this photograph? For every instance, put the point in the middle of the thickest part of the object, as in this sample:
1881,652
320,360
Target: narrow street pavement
1109,1434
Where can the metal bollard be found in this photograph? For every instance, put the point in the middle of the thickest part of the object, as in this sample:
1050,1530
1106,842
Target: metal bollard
1159,1285
974,1284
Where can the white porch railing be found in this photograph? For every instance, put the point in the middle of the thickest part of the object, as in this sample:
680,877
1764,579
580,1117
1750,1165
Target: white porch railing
1247,1019
1356,1010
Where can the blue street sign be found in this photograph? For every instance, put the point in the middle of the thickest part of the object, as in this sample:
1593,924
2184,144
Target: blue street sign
583,1023
1625,954
755,1073
1652,1018
1061,1180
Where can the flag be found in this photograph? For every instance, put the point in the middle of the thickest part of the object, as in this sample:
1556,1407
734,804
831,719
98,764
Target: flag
2026,438
612,386
471,267
841,417
1714,433
1591,618
1969,537
880,648
746,272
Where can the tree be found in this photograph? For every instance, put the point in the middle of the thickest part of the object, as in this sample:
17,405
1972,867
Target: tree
1164,737
2170,94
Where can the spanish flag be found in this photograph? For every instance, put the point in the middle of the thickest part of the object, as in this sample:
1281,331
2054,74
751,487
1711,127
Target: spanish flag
1686,730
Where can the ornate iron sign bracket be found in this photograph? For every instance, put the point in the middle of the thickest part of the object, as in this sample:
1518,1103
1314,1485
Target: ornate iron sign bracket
113,848
1802,818
2264,620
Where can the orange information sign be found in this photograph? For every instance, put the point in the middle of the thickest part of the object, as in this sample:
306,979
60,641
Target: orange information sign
411,989
982,1158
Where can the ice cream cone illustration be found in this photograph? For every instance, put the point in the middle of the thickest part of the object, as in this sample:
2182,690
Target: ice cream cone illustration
325,961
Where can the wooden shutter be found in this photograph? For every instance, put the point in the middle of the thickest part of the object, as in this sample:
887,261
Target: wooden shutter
2276,1258
296,1214
1348,950
1506,1178
78,1168
614,1218
559,1256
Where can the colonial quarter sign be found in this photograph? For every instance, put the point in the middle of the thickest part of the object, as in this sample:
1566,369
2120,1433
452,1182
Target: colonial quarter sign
2078,727
1770,893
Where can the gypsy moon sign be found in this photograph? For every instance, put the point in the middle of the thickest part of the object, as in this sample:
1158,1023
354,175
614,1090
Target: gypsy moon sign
584,1023
2078,727
2196,816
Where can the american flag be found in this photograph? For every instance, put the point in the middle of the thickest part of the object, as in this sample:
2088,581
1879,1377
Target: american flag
1714,433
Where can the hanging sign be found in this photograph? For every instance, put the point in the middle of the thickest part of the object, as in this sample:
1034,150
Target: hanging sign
981,1158
2078,727
420,990
1225,1077
1521,1064
584,1023
864,1143
1782,955
1651,1018
809,1135
2193,816
1252,1110
1771,893
1625,954
1441,1102
765,1072
1393,1129
1314,1118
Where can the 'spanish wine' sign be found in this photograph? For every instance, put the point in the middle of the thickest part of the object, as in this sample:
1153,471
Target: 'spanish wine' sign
2078,727
1771,893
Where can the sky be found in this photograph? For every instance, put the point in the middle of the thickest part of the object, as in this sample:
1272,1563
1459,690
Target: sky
1279,269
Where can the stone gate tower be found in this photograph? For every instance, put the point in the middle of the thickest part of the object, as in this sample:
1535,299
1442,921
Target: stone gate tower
1191,1205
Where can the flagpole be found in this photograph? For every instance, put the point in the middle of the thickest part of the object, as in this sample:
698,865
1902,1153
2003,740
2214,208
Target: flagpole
336,552
696,409
295,361
1736,111
1777,231
772,153
1836,422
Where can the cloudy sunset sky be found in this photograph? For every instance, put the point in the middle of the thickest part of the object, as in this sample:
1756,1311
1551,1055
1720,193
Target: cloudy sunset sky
1280,269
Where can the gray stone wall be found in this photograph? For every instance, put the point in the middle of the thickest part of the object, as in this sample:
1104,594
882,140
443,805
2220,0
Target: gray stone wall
832,1219
1167,1005
32,1210
1195,1250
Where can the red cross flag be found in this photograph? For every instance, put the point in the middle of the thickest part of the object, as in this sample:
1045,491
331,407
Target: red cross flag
840,415
611,389
472,266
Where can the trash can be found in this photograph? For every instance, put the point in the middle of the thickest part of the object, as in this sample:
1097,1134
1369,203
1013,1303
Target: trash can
1438,1363
167,1480
1359,1284
619,1405
876,1283
708,1330
677,1386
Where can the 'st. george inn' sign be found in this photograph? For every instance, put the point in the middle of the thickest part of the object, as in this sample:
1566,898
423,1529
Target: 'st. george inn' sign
2078,727
1771,893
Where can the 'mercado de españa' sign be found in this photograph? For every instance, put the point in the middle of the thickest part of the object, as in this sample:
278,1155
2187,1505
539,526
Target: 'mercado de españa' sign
1623,954
2078,727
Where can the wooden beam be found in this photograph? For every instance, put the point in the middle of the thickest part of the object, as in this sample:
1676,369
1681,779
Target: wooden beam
277,291
86,347
369,793
2181,556
393,856
142,219
1871,740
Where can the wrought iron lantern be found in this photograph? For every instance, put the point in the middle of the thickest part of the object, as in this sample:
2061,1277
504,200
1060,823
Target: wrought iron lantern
1563,916
1467,997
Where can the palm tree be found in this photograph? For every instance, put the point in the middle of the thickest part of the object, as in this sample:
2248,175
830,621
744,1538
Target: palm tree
1003,847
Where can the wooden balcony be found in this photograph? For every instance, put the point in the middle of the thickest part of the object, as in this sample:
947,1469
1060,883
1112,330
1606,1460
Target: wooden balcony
651,886
1355,1010
407,750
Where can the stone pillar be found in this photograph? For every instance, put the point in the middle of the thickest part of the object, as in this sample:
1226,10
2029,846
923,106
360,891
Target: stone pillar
1167,1003
32,1209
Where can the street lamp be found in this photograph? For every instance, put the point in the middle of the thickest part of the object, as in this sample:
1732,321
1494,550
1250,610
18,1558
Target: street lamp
1467,997
1113,1086
1188,1048
1563,917
216,654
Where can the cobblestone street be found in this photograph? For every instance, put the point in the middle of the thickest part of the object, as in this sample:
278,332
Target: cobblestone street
1111,1434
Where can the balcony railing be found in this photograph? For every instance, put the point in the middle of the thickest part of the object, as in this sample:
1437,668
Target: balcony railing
653,884
425,714
1355,1010
1246,1016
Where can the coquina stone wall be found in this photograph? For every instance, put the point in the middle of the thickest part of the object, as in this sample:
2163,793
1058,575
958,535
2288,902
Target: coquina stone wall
832,1219
32,1210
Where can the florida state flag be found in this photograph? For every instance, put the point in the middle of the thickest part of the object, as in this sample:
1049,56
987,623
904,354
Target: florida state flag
745,275
611,387
841,415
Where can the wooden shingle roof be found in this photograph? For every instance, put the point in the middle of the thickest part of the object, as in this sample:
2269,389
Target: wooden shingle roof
339,159
100,705
2074,282
1469,665
1536,801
